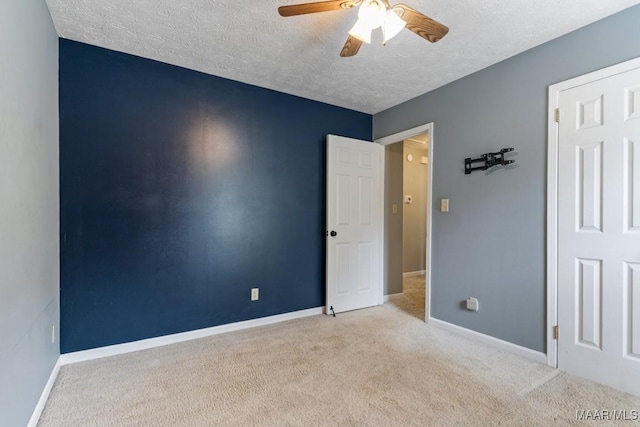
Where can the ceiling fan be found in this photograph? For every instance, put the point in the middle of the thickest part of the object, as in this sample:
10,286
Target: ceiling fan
371,15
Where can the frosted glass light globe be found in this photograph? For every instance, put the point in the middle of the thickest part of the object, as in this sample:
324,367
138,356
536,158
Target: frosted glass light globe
372,13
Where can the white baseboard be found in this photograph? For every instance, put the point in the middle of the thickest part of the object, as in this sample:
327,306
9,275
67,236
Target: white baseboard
536,356
35,417
414,273
387,297
112,350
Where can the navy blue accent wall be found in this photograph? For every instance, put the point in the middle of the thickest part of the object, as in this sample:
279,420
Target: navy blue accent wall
180,191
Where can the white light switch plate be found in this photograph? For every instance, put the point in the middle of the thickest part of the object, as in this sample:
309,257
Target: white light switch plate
444,205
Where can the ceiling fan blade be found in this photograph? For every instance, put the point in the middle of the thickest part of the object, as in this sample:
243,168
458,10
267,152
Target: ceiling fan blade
321,6
351,47
420,24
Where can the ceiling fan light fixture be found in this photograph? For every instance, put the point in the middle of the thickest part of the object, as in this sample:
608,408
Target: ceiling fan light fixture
362,31
371,15
392,25
372,12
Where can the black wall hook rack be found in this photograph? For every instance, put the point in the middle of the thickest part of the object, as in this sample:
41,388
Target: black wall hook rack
489,160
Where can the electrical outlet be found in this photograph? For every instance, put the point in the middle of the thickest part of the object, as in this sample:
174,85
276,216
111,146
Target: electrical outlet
53,333
472,304
255,294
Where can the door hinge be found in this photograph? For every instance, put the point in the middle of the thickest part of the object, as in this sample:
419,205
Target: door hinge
557,115
555,332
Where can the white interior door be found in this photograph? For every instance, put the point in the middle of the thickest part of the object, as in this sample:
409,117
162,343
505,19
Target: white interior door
354,223
599,231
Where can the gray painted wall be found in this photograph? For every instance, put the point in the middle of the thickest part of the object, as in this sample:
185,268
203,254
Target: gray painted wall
415,214
491,244
29,244
393,222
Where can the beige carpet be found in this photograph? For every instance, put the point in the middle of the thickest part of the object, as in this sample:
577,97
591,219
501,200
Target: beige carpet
412,298
373,367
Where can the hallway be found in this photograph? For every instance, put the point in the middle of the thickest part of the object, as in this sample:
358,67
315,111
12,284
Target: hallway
412,300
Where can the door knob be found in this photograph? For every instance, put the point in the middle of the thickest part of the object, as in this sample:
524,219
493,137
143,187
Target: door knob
333,233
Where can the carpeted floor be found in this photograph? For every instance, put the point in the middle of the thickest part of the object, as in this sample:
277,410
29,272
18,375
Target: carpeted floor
413,296
374,367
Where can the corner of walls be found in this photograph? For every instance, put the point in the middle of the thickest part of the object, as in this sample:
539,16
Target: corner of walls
44,396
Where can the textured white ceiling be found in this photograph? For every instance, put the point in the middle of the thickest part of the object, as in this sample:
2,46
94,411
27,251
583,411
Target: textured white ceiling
246,40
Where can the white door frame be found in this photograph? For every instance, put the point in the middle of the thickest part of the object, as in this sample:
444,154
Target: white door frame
552,193
399,137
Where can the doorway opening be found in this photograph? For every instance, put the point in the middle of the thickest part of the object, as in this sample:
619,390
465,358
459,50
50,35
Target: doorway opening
408,159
